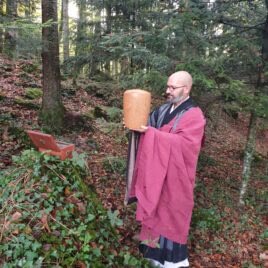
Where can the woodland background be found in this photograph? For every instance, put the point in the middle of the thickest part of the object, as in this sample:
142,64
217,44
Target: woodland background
66,75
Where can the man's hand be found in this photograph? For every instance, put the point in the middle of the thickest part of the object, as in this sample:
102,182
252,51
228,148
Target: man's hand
142,129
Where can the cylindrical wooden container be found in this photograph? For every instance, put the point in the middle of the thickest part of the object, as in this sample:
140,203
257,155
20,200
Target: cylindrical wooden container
136,107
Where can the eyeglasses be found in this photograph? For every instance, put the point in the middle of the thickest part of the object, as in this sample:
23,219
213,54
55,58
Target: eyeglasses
171,88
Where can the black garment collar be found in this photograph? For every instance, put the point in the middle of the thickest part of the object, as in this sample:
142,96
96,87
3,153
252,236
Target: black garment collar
183,106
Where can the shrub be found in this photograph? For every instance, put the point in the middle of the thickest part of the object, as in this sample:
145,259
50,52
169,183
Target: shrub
49,217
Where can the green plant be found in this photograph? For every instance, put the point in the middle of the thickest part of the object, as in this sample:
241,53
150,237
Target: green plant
205,160
114,165
50,217
114,114
33,93
204,218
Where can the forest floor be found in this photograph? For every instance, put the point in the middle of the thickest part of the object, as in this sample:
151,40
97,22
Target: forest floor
222,233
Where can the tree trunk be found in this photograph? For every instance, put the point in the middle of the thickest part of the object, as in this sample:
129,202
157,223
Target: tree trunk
265,39
52,110
95,62
79,36
249,151
27,8
65,29
108,9
11,33
80,27
1,21
248,156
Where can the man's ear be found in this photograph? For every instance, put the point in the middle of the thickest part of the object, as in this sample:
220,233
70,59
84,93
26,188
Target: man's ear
187,90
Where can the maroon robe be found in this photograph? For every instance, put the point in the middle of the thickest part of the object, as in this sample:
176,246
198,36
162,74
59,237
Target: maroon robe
164,177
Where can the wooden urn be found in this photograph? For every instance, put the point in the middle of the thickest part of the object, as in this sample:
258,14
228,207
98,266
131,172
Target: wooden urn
136,108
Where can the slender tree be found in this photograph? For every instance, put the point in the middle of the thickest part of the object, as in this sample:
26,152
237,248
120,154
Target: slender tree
65,29
27,8
251,139
1,21
11,32
81,42
52,111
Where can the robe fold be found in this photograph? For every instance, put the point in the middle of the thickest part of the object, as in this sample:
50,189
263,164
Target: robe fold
164,177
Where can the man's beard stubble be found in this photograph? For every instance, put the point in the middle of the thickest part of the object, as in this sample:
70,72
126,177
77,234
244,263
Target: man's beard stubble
175,100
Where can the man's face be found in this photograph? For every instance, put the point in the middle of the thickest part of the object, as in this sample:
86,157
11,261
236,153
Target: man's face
175,91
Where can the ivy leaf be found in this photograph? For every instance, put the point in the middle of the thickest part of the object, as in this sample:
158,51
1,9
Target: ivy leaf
113,217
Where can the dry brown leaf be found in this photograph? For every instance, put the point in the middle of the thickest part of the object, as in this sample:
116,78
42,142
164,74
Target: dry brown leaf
16,216
44,220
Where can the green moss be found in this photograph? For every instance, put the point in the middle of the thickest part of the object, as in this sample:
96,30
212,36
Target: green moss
52,120
33,93
30,104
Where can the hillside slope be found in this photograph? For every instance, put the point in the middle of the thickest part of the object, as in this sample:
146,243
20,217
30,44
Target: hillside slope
222,234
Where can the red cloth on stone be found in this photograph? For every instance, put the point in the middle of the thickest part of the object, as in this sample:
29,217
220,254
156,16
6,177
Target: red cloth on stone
164,178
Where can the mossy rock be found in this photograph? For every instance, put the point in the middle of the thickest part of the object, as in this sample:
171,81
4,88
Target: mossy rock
33,93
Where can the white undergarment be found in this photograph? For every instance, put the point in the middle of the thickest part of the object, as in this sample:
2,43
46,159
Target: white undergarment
184,263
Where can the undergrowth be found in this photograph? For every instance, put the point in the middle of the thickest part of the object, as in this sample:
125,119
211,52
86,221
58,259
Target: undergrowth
50,218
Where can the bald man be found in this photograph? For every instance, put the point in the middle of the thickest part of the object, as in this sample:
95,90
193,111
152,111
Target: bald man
163,178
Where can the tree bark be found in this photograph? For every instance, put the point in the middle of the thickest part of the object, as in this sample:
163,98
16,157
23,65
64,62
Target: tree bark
79,36
248,156
250,146
108,9
52,111
27,8
1,21
65,29
265,39
11,33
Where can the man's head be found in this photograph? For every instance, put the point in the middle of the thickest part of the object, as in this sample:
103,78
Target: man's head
179,85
